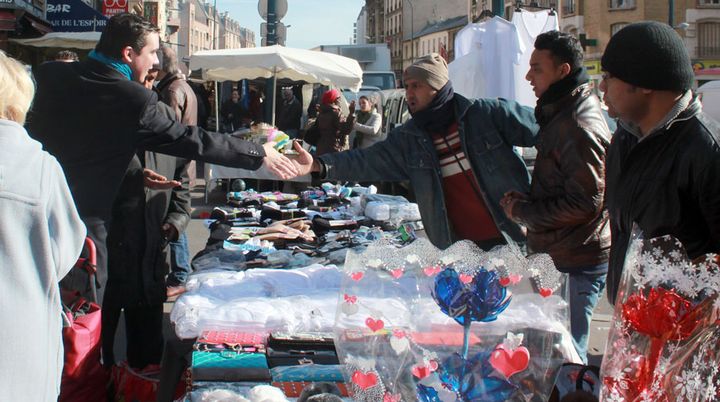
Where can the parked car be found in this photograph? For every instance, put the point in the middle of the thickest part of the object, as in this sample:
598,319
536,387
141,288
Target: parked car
381,79
710,97
394,109
355,96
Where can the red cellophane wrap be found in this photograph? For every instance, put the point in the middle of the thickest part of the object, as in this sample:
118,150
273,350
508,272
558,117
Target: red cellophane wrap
664,339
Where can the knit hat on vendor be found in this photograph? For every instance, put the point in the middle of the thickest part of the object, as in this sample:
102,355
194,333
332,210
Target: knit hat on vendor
432,69
330,97
649,55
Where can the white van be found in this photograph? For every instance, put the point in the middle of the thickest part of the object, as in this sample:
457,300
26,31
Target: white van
710,97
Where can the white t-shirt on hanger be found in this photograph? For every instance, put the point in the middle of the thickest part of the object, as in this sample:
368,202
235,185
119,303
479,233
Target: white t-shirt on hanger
486,56
529,25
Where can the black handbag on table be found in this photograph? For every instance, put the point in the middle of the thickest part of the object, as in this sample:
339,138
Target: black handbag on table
297,349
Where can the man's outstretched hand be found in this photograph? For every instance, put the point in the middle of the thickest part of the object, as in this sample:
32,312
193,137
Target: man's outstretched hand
278,164
304,162
156,181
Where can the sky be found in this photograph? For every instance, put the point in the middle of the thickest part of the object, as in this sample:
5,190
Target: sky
312,22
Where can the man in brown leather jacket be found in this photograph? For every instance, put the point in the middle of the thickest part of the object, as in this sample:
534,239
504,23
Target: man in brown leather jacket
177,93
564,212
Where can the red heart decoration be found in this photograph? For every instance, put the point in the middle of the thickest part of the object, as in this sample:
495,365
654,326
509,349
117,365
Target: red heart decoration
465,278
515,279
391,398
398,333
375,325
504,281
364,380
350,299
421,371
545,292
396,273
433,365
430,271
356,276
510,362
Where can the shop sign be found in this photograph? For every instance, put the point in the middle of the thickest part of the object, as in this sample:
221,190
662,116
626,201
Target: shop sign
593,67
74,16
150,12
112,7
699,65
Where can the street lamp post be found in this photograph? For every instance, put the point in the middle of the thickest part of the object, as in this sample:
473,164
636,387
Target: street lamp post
412,32
271,39
499,8
671,13
214,24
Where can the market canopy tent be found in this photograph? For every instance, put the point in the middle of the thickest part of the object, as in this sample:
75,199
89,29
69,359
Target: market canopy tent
281,62
72,40
278,62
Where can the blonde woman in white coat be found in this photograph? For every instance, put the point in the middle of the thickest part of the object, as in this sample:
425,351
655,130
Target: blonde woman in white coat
41,236
368,124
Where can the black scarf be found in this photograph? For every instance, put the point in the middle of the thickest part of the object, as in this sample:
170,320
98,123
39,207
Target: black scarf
363,117
559,89
439,115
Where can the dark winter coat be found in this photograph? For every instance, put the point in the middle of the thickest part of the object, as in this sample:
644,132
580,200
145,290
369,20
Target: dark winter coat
290,115
93,119
668,183
333,130
137,253
565,215
178,94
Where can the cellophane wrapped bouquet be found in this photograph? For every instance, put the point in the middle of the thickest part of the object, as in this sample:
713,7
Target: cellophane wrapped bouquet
421,324
664,343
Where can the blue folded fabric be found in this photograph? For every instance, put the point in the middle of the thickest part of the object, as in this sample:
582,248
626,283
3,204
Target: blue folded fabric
308,372
228,359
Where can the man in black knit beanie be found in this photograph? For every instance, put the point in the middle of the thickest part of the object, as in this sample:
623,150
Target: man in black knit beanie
663,163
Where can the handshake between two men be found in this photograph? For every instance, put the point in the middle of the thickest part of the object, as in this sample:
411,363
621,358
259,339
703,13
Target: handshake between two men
287,168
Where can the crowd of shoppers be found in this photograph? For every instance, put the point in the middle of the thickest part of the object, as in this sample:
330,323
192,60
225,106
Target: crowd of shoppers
106,131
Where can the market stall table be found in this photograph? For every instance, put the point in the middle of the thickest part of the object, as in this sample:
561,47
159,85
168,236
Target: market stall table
216,172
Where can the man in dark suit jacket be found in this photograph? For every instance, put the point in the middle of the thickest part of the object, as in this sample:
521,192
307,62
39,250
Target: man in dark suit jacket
92,117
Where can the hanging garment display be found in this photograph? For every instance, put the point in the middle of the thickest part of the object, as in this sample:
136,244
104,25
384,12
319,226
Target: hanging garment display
529,24
486,57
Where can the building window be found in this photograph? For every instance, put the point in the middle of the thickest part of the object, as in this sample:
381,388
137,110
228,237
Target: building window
622,4
568,7
614,28
709,2
708,35
572,30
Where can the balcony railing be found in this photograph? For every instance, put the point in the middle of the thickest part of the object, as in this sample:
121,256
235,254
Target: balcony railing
568,8
621,4
708,3
708,51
